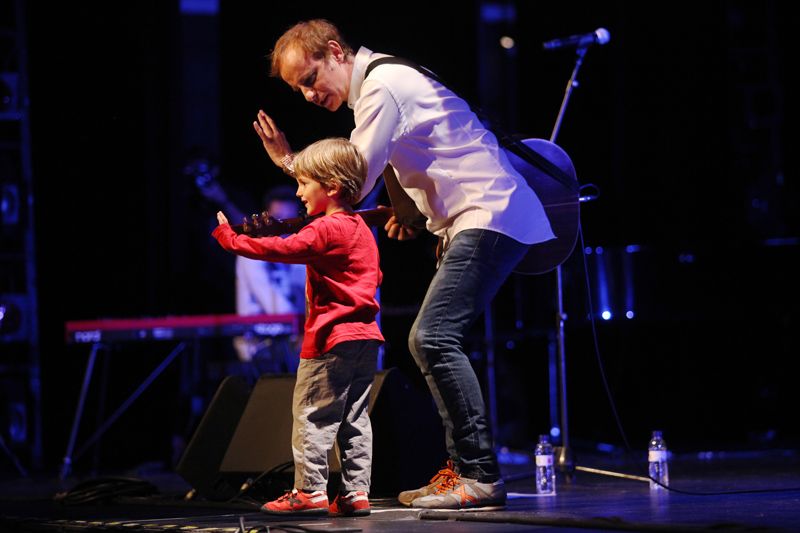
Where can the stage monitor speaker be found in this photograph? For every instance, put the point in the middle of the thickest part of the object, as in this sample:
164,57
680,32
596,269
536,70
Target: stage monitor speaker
200,463
408,437
262,442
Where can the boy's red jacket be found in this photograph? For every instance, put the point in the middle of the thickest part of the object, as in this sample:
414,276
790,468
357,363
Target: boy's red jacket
342,272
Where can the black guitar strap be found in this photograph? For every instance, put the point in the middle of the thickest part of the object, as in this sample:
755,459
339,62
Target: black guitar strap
505,139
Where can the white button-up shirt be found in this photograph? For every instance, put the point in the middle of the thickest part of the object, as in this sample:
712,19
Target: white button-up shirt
446,160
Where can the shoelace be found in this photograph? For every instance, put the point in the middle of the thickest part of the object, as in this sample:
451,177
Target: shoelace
446,472
291,495
448,484
348,498
446,478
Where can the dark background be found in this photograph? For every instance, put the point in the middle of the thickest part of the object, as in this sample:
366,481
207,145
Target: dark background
683,121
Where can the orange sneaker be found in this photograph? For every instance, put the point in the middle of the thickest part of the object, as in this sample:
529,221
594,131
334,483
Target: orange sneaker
445,474
299,502
462,493
354,503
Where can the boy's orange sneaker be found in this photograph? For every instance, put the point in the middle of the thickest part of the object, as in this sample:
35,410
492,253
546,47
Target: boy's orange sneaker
299,502
354,503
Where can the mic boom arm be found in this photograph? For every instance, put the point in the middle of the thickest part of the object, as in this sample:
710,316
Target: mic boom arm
599,36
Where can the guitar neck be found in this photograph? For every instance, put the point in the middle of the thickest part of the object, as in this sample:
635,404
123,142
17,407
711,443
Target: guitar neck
377,216
265,226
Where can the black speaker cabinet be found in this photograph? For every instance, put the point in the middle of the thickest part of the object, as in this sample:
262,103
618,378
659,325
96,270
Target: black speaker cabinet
201,460
254,438
262,442
408,436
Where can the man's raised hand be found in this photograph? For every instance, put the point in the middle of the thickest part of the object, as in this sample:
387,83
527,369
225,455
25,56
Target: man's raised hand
272,138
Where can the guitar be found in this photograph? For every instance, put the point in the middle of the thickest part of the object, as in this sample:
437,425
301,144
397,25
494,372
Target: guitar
560,201
264,225
403,208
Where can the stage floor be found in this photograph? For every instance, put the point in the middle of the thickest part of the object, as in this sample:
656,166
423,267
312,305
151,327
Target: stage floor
723,491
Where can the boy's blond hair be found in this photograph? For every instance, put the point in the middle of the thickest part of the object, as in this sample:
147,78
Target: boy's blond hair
334,161
310,36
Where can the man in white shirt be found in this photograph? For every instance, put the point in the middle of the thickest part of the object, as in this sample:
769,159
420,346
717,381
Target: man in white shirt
458,177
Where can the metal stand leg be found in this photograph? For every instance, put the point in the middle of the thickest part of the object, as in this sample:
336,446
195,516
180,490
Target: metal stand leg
564,459
10,454
490,371
87,377
102,429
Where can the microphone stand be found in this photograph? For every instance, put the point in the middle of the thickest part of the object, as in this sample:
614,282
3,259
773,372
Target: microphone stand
563,454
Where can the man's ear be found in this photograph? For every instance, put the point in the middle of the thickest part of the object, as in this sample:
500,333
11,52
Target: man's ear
336,51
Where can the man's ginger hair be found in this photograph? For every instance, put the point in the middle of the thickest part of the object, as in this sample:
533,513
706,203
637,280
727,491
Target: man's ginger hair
310,36
331,162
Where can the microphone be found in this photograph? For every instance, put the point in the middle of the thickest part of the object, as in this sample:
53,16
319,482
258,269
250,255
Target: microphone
599,36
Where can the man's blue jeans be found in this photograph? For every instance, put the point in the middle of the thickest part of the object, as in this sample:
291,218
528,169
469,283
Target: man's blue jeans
474,266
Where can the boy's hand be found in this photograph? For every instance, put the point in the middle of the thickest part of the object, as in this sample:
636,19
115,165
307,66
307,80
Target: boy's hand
221,218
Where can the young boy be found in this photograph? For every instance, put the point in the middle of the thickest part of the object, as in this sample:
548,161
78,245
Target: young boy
338,358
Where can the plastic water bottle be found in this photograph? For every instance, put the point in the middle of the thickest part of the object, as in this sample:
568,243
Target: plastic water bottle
545,474
657,461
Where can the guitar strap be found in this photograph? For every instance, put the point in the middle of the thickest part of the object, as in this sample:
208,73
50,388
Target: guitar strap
505,139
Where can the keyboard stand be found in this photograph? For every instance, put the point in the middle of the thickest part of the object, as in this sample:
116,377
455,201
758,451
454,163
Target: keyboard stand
66,466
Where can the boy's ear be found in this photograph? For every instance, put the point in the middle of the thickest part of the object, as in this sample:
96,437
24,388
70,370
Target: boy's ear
333,190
